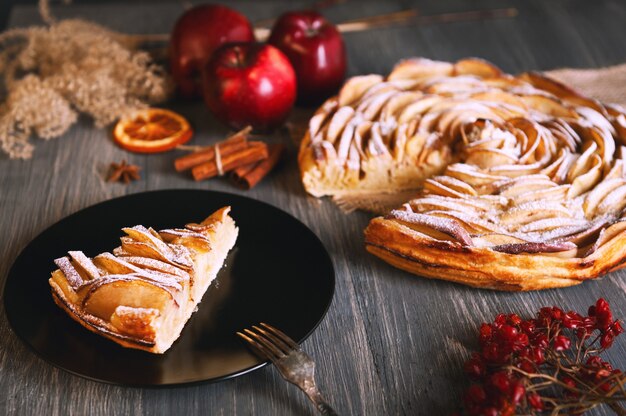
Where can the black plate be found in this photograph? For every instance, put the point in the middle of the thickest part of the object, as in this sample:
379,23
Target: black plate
279,273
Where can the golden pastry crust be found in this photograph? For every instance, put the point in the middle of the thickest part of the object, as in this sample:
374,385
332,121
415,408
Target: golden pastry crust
522,180
98,325
484,267
142,295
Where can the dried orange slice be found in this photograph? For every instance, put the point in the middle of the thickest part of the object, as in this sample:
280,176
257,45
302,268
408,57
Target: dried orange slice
152,130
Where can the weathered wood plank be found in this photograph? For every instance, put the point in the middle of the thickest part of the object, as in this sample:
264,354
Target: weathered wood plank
391,343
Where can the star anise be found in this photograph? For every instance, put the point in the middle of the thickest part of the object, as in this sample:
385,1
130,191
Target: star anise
123,172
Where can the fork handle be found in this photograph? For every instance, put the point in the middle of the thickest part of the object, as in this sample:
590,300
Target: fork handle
320,403
325,409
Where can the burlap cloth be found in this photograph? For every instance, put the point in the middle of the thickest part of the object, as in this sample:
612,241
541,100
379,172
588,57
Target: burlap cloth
605,84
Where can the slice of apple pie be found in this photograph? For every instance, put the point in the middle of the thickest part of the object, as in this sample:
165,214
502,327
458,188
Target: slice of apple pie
522,179
143,293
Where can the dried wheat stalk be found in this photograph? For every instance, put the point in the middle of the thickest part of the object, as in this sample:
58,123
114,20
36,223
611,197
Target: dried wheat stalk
52,73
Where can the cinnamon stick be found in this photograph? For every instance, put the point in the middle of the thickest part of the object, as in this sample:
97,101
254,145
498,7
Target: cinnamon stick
243,170
255,152
247,176
232,144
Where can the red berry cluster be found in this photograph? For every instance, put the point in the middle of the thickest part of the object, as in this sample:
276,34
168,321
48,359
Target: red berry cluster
546,363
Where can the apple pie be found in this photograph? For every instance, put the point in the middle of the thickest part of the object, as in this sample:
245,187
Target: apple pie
142,294
521,180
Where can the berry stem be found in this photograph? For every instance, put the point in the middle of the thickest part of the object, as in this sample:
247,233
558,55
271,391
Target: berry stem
547,364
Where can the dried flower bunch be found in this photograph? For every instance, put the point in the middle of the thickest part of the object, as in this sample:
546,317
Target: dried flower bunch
547,365
53,72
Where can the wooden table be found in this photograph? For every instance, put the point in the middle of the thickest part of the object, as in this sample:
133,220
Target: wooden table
392,343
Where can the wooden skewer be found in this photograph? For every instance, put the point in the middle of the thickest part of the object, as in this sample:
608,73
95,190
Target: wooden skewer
508,12
405,17
377,21
410,16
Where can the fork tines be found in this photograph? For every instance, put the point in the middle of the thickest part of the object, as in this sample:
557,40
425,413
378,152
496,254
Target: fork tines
293,364
269,341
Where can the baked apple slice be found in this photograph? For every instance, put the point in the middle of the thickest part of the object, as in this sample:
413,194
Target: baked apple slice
142,295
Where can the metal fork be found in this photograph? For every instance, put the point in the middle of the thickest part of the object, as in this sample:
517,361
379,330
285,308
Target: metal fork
293,364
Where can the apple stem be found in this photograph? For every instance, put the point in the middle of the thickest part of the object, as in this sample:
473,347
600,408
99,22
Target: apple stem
310,32
239,57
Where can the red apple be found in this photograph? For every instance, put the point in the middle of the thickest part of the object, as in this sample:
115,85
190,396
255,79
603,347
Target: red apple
197,33
249,84
316,50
